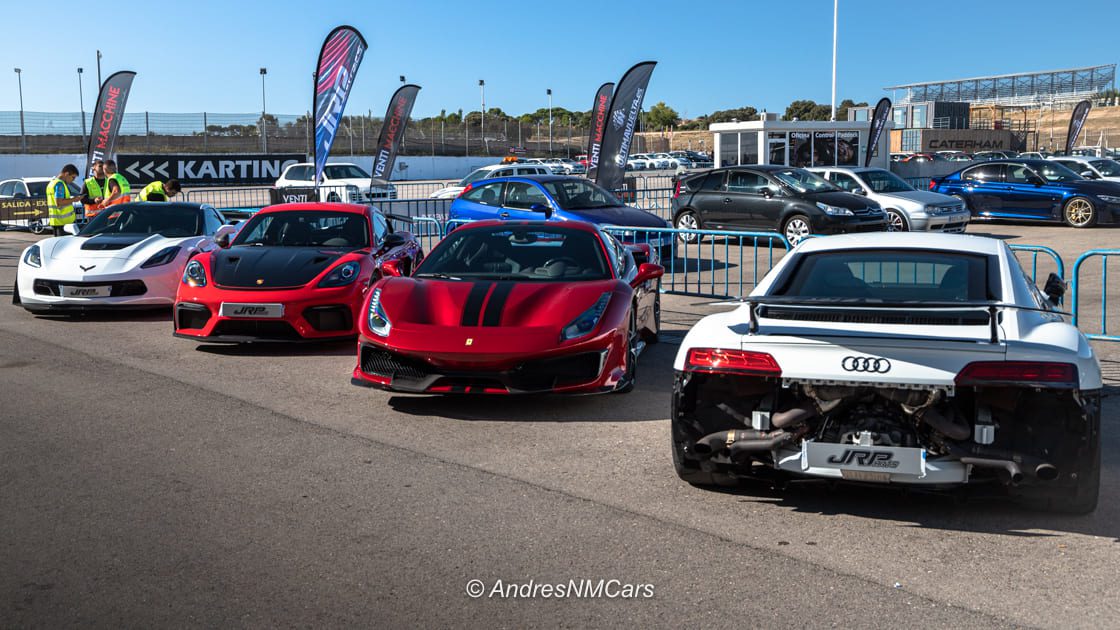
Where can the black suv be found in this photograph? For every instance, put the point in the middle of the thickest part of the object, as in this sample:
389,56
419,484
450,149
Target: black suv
790,200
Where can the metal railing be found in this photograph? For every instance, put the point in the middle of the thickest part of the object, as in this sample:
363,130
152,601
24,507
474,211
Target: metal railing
1079,318
1034,251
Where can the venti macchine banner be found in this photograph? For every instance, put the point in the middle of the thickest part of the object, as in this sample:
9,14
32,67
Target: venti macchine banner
334,75
626,104
878,122
599,110
1076,122
392,130
107,118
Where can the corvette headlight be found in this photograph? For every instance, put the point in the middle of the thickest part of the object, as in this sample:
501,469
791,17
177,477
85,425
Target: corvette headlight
162,257
587,320
341,275
835,211
1109,198
377,319
33,257
195,275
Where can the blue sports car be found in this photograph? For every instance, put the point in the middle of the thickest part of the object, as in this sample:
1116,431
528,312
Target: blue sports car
563,198
1038,190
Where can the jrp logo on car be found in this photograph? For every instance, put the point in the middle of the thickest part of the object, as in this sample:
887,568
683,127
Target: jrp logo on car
863,457
250,310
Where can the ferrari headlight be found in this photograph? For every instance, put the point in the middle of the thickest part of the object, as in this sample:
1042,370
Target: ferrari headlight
341,275
587,320
33,257
1109,198
377,319
195,275
835,211
162,257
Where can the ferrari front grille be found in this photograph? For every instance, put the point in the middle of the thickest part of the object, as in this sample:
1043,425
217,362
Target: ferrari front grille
387,364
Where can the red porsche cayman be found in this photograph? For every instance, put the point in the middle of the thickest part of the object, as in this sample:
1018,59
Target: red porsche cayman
295,272
503,307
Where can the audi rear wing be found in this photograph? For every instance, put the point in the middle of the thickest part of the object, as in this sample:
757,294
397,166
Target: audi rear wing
846,304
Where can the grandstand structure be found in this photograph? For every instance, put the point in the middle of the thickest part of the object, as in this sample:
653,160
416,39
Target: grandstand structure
1053,88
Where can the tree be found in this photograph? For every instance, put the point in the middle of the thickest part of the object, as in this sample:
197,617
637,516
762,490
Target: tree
701,123
842,109
661,116
807,110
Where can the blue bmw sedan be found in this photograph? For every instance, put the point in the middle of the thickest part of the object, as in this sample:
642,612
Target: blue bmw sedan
1038,190
530,198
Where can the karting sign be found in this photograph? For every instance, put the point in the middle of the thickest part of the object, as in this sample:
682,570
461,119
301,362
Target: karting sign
206,170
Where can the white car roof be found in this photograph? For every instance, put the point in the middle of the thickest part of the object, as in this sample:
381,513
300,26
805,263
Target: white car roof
904,240
1076,158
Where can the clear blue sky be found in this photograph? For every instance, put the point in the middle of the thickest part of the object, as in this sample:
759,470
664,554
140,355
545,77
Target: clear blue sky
205,54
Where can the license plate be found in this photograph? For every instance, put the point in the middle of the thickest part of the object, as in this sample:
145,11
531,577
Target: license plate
85,292
888,460
256,311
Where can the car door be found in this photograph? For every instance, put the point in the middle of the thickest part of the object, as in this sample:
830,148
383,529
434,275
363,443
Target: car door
519,199
482,201
708,201
982,186
748,201
1028,195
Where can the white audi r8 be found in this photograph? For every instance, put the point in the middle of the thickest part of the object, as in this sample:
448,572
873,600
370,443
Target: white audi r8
914,359
131,255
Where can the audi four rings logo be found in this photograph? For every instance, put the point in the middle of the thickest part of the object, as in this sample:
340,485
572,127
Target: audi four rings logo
866,364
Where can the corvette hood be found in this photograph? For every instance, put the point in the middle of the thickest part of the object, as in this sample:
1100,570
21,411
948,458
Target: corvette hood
618,215
270,267
102,246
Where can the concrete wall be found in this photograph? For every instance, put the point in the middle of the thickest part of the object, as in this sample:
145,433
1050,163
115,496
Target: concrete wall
407,166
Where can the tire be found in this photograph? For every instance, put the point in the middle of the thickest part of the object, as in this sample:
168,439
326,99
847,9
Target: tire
37,227
695,475
687,220
796,228
964,201
15,294
655,337
896,221
1080,498
631,375
1079,212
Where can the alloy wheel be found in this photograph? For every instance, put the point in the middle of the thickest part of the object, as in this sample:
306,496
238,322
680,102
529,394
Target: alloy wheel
1079,212
796,230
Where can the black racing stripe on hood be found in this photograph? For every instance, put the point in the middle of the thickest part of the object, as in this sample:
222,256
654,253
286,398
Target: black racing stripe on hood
497,304
472,310
109,242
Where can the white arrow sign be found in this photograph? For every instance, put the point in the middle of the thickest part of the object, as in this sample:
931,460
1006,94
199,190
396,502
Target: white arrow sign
132,170
147,169
162,169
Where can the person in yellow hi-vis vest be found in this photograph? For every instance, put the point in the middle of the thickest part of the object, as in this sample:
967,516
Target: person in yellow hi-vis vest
118,188
159,191
60,203
94,190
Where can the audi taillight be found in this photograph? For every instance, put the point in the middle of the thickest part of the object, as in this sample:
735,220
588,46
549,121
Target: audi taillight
731,361
1020,373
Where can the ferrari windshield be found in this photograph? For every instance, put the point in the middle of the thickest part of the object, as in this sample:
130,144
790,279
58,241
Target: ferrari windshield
166,219
580,194
882,181
336,230
344,171
803,181
526,253
890,276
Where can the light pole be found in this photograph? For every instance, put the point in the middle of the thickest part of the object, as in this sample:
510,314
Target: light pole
99,73
82,105
264,123
549,92
835,13
22,131
482,129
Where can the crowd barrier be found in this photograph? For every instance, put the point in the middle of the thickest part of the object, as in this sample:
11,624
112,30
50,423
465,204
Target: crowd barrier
1082,319
1034,251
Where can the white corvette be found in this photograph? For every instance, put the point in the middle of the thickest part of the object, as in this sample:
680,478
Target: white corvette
129,256
921,359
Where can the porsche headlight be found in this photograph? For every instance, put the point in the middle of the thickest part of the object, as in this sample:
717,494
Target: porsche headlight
341,275
33,257
195,275
162,257
587,320
835,211
377,319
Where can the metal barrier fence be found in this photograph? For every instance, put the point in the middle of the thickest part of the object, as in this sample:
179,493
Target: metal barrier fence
1034,251
1079,287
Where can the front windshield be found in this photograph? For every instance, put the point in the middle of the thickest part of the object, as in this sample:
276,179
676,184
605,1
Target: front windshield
803,181
527,253
336,230
344,171
882,181
168,220
1054,172
1107,168
579,194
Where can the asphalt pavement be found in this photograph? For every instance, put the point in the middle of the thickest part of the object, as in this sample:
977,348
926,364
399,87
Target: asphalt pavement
151,481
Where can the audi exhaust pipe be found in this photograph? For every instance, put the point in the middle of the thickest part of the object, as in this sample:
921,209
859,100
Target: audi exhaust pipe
1010,473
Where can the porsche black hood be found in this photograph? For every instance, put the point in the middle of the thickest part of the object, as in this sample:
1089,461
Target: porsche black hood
270,267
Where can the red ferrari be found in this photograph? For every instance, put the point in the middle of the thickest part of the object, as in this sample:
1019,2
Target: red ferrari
503,307
295,272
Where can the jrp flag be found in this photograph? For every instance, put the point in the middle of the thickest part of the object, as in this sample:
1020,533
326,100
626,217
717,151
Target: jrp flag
625,107
1076,122
599,110
878,122
334,75
107,118
392,130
